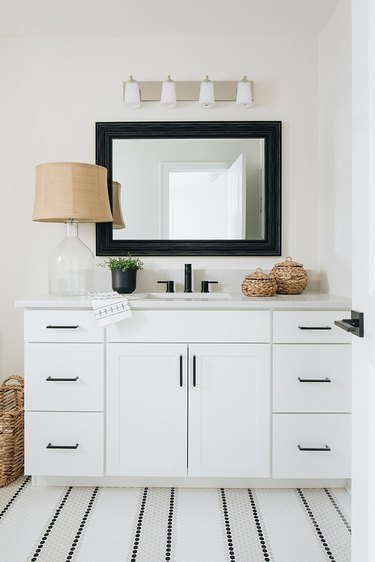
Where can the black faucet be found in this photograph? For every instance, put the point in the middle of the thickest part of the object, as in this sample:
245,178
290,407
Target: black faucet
169,286
205,286
188,277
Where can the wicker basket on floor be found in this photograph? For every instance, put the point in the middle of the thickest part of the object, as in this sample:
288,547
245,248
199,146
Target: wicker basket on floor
11,429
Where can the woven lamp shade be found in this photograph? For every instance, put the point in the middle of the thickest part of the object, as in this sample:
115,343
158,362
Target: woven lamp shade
118,219
71,191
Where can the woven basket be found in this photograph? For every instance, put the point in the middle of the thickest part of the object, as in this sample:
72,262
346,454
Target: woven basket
259,284
11,429
290,276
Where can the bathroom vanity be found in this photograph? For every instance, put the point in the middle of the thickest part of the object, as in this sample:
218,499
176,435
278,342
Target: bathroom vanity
192,390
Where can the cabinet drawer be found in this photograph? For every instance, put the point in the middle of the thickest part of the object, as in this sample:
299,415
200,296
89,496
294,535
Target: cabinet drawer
311,431
309,327
46,362
64,429
62,326
312,378
192,326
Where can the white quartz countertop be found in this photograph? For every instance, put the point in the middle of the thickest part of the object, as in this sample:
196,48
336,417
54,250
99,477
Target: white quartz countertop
214,301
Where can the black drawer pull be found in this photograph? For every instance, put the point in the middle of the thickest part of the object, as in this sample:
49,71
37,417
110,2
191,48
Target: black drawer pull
181,371
50,446
54,379
52,327
326,448
314,380
314,328
194,371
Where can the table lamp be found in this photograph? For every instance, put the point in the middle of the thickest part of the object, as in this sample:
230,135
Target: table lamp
71,192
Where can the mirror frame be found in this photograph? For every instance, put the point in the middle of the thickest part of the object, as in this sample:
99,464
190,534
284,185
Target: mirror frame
270,131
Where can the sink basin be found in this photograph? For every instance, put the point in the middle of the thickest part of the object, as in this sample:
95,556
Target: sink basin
187,296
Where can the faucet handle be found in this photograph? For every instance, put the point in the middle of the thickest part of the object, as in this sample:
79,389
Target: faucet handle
205,288
169,286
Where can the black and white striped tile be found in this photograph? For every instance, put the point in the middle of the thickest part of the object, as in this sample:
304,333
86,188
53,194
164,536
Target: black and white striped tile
173,524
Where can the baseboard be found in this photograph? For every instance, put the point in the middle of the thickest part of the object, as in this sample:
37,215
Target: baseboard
122,481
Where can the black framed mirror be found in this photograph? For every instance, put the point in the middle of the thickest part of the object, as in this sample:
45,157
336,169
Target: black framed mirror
192,188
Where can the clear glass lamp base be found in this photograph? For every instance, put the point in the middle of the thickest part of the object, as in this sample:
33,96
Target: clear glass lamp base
71,266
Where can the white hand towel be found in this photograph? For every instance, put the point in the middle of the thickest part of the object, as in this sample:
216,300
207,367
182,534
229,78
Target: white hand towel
109,308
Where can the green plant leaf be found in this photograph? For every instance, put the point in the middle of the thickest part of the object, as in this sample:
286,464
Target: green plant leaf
123,263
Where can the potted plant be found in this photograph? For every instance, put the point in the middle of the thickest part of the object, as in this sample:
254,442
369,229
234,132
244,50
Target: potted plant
124,273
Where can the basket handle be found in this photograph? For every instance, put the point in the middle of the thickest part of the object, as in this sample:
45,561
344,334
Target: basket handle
16,378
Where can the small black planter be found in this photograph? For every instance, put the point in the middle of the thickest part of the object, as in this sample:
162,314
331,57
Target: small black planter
124,281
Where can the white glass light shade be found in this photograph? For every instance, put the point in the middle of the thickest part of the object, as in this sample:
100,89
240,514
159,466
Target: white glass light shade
168,93
71,266
132,97
206,94
244,93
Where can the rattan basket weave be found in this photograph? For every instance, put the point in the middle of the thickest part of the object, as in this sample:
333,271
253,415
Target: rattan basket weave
290,276
11,429
259,284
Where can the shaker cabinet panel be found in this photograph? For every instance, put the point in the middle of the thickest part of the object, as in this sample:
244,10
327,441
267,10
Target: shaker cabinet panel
206,416
229,410
146,410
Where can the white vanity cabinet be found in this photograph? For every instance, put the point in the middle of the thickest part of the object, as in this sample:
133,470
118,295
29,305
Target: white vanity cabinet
188,409
253,390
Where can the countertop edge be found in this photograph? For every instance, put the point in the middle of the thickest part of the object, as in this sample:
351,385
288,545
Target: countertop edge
305,301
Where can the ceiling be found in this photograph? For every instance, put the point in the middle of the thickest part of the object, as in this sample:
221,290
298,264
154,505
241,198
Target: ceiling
161,18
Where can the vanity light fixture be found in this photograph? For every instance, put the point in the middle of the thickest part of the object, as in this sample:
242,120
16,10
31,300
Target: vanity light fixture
131,94
168,93
244,93
71,192
206,92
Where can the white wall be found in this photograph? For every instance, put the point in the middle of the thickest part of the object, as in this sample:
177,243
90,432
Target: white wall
335,148
54,90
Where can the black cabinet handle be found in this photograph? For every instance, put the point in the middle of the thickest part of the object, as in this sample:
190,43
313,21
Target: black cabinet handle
314,328
194,370
52,327
326,448
54,379
50,446
314,380
181,371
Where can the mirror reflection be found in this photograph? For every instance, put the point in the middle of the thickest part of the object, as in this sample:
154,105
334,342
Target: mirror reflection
189,189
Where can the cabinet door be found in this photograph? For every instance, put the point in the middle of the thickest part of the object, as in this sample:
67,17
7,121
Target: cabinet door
229,410
146,409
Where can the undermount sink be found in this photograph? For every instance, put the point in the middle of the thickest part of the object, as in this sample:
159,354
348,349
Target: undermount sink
187,296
